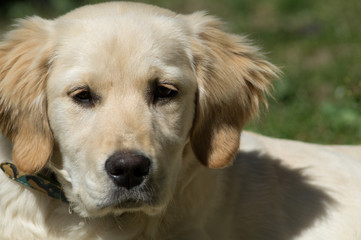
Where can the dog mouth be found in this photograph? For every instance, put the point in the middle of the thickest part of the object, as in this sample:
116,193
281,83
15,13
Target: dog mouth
114,205
99,198
126,203
121,200
130,205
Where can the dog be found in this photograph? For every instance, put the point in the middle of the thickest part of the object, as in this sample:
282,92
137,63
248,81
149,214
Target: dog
128,119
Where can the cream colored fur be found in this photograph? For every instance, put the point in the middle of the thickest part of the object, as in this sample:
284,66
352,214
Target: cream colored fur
120,54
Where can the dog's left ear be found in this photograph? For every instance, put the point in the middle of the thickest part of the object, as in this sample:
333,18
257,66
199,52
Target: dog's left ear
233,79
25,54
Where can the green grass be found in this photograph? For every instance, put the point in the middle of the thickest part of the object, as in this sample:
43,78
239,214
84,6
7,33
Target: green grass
317,44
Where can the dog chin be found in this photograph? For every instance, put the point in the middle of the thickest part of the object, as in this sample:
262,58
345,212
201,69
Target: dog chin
148,210
118,209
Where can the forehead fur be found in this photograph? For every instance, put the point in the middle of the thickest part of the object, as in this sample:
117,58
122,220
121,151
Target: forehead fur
121,25
121,37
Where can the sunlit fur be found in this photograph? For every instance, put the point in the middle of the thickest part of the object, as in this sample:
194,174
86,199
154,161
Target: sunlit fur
201,184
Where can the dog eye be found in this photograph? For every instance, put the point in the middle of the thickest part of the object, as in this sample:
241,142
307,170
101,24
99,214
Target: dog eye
164,92
83,96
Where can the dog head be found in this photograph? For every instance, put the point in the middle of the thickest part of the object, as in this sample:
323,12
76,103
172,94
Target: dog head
110,95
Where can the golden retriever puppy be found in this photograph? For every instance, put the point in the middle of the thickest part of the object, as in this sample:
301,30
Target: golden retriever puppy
138,111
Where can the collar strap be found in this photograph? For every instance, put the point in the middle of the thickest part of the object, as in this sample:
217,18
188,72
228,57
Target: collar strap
45,184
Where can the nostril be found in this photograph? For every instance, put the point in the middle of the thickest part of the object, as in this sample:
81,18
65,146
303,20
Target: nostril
127,169
115,167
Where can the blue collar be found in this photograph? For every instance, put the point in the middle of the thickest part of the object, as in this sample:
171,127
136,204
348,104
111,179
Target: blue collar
46,184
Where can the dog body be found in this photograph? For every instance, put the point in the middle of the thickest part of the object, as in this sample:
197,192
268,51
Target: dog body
139,111
277,189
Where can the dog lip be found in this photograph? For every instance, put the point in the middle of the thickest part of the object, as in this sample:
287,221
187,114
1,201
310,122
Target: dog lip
124,203
130,204
117,199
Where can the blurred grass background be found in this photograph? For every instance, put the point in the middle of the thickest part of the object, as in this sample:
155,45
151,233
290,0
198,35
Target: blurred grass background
316,43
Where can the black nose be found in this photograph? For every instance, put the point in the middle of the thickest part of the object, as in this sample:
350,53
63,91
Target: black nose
127,169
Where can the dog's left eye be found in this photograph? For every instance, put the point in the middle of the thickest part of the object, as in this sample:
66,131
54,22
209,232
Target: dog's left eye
83,96
164,92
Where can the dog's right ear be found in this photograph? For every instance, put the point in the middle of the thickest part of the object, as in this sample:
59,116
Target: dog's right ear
25,56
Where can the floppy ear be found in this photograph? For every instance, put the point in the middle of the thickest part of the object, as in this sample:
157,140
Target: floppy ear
24,61
233,79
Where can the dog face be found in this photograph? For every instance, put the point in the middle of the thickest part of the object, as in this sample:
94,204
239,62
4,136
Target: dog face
114,93
125,95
